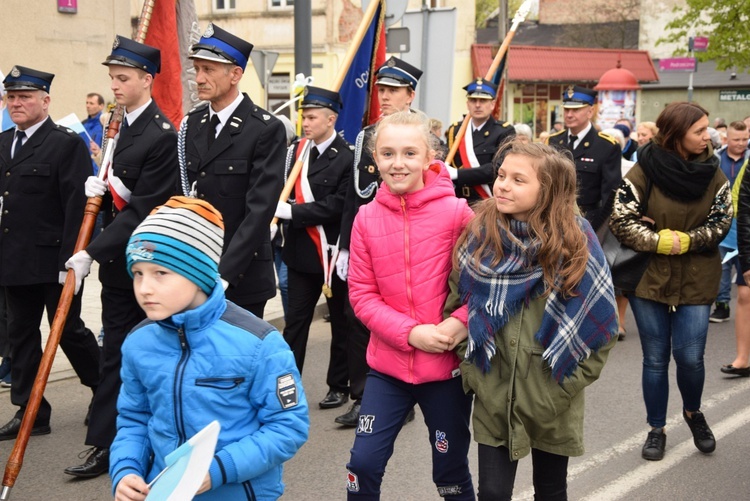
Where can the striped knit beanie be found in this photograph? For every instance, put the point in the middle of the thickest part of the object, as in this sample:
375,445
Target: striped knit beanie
185,235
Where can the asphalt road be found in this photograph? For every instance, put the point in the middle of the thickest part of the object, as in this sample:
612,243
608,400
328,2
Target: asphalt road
611,469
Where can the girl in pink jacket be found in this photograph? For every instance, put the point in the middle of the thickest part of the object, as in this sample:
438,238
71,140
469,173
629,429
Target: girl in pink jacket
400,261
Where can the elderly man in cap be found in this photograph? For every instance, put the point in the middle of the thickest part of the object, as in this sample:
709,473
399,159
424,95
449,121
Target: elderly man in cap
596,155
234,158
473,172
314,215
143,175
396,82
44,167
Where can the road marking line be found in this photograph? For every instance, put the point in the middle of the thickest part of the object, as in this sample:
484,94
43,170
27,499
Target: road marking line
636,441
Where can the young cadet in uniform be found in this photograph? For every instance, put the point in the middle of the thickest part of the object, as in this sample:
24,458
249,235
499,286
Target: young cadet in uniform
43,169
143,175
597,155
396,81
314,217
234,159
473,172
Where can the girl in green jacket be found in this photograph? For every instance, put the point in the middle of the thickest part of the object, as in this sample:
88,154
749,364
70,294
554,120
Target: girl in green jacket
541,320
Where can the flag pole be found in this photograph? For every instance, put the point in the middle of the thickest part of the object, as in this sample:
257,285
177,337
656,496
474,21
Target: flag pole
343,70
521,14
93,204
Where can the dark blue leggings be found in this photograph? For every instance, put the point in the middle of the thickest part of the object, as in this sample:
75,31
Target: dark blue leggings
385,404
497,474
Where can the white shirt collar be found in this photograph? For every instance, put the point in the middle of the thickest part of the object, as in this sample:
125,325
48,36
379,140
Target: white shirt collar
322,147
226,113
580,135
474,128
31,130
132,116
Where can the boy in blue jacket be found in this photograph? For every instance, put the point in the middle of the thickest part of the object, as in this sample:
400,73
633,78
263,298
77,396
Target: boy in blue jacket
198,358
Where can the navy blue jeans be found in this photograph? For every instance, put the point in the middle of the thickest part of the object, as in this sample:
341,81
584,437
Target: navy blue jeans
385,404
681,334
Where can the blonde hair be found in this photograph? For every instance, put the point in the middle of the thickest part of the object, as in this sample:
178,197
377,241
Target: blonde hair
563,250
414,118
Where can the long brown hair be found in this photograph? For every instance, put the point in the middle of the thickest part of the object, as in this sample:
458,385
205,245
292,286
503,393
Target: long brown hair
563,251
674,122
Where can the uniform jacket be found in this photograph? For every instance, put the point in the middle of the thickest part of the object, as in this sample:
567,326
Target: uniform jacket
518,404
242,176
598,171
215,362
690,278
364,175
42,203
486,143
400,260
329,182
145,160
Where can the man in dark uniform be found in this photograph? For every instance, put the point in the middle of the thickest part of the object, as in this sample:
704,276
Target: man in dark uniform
234,159
472,171
597,155
43,167
314,217
143,175
396,82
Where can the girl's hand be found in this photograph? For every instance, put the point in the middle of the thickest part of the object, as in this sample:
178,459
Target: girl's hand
426,337
206,485
675,244
131,488
455,329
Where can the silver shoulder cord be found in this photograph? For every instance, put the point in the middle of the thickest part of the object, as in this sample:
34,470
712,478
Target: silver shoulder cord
367,192
181,156
287,164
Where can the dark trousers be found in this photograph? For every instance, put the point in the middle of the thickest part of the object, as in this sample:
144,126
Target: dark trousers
120,313
26,305
304,291
4,341
497,474
356,345
387,401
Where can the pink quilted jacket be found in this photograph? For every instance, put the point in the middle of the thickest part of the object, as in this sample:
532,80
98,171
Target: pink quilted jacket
400,260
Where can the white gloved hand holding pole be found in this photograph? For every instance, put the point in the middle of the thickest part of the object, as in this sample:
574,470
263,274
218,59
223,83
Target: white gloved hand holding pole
283,210
95,187
80,263
342,264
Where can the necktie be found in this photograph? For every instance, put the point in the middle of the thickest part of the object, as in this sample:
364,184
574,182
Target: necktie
212,129
20,135
314,153
124,124
571,141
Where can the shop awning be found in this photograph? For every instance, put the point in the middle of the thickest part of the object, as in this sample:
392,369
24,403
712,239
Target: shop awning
563,64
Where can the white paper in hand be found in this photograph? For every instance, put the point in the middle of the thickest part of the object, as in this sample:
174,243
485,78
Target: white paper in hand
186,468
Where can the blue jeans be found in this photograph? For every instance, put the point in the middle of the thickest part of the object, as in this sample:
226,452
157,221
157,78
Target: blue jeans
683,333
283,278
725,287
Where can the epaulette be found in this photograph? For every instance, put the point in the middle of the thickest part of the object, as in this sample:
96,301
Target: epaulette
558,133
264,116
198,108
608,138
507,124
162,122
66,130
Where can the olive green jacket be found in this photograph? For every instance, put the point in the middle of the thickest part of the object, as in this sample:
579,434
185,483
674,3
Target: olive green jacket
518,404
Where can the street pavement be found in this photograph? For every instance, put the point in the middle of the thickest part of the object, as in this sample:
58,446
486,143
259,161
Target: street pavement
611,468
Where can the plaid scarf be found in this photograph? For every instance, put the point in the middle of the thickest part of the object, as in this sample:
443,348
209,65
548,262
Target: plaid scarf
572,328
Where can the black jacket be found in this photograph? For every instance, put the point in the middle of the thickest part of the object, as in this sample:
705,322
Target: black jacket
42,203
242,175
329,183
145,159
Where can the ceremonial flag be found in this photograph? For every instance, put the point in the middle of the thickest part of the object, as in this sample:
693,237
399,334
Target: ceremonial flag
172,31
499,79
361,105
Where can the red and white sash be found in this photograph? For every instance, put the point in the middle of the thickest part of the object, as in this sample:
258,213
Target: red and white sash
469,160
120,193
303,194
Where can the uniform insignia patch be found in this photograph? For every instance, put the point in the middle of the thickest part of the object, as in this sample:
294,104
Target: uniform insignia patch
449,490
266,117
209,31
352,482
570,92
116,43
166,126
286,391
391,63
441,443
233,124
15,72
365,423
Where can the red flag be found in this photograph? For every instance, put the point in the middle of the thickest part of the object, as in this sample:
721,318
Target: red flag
373,114
162,34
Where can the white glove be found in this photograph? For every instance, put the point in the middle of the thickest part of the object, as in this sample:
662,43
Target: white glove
95,187
283,210
342,264
61,276
224,283
274,231
453,172
80,263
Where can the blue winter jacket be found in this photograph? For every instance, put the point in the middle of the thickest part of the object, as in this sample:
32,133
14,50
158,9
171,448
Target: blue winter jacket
217,361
